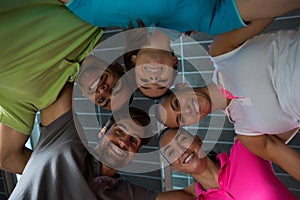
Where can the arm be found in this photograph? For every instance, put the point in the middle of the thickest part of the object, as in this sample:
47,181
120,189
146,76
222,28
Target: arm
257,9
271,148
226,42
13,153
186,193
62,105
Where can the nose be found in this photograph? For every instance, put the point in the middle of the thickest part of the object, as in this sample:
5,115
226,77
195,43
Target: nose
180,149
104,89
124,142
154,77
186,110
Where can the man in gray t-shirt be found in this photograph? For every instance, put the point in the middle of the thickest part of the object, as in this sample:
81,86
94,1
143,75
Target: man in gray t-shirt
60,167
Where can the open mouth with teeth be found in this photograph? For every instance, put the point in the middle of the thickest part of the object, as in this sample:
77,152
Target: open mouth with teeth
153,69
189,157
196,107
116,151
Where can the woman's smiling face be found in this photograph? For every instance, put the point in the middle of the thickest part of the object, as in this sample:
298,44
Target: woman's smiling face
184,107
155,71
182,150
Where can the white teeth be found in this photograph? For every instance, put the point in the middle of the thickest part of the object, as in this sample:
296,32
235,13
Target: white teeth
95,84
189,158
196,106
117,150
153,69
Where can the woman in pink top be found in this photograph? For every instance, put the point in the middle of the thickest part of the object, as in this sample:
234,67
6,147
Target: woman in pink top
240,175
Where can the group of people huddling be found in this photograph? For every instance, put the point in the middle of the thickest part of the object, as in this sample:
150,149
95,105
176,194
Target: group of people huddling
50,47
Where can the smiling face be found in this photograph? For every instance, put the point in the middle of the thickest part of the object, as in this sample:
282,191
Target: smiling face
118,146
100,84
183,150
155,71
184,107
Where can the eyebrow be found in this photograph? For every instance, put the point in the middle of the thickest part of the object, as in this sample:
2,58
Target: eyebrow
166,148
163,80
147,88
177,136
160,88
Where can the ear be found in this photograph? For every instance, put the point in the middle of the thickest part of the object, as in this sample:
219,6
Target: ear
175,61
133,59
102,132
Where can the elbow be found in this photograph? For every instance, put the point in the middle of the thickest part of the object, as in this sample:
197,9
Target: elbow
4,162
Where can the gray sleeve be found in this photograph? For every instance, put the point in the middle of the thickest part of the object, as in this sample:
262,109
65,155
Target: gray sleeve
143,193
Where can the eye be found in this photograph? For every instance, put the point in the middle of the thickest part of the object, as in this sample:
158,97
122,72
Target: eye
104,87
170,154
184,141
134,140
119,132
176,103
144,80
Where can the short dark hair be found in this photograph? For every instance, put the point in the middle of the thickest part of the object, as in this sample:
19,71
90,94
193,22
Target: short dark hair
127,59
140,117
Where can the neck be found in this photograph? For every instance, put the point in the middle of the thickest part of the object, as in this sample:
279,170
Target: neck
209,177
218,101
107,171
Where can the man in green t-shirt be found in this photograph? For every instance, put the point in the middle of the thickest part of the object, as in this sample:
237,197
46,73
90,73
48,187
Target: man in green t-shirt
42,44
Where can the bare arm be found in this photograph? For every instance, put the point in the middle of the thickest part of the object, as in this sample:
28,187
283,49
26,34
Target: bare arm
272,148
186,194
258,9
226,42
62,104
13,153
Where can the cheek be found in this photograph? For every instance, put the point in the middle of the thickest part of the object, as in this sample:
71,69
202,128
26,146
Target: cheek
177,165
139,75
92,98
